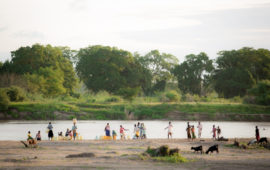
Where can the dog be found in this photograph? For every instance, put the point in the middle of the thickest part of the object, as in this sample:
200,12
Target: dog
212,149
197,149
263,140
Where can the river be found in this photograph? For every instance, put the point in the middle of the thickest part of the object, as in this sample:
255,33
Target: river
92,129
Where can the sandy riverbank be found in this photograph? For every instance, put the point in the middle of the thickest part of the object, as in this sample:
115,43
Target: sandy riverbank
124,155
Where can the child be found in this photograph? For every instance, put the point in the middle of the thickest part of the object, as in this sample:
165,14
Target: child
29,137
114,134
136,132
169,130
38,136
193,132
122,133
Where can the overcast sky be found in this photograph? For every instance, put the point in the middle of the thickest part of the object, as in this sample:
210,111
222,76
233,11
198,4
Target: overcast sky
179,27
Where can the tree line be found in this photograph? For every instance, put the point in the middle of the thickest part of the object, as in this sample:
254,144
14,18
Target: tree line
53,71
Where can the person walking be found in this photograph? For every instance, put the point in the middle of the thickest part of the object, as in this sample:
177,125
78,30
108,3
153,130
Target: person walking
169,130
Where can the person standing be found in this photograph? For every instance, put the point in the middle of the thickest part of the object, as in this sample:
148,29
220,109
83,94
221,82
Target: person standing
188,131
169,130
74,130
143,131
218,132
136,132
50,133
122,132
193,132
38,136
214,132
107,130
257,133
199,129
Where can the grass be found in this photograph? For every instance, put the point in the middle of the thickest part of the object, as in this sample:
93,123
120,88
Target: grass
98,108
176,158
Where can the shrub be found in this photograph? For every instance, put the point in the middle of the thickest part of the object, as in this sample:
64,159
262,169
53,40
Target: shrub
15,94
113,99
261,92
172,96
4,100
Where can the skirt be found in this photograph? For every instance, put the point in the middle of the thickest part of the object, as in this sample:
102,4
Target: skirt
50,134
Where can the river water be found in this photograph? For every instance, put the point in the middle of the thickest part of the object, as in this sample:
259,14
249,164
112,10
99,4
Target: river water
17,130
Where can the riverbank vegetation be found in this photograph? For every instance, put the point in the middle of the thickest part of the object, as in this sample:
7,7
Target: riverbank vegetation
102,82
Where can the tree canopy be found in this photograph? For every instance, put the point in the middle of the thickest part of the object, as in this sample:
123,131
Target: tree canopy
108,68
44,67
192,72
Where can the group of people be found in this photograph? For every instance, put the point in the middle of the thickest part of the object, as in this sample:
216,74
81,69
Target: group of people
191,131
69,133
139,131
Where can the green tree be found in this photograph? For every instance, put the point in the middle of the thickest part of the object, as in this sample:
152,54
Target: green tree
192,73
239,70
261,92
45,63
108,68
159,66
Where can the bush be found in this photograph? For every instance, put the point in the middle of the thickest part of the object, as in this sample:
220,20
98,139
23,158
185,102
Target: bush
4,100
15,94
261,92
172,96
113,99
249,99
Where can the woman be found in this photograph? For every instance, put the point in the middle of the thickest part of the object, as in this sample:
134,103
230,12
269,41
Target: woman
218,132
188,131
143,131
193,132
107,130
214,132
50,134
257,133
199,129
74,130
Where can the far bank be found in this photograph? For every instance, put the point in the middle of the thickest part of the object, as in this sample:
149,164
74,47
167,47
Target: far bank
127,111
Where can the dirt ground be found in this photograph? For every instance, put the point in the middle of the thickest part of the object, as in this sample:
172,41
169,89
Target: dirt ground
125,155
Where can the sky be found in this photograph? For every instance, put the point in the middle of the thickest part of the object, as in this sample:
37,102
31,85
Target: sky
178,27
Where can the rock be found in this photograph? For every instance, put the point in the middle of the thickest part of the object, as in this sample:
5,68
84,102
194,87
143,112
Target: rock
173,151
81,155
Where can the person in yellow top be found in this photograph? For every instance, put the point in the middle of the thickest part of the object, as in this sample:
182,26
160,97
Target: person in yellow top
29,137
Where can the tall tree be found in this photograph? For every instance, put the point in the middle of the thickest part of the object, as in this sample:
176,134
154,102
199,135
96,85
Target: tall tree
108,68
160,66
192,73
39,59
238,70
